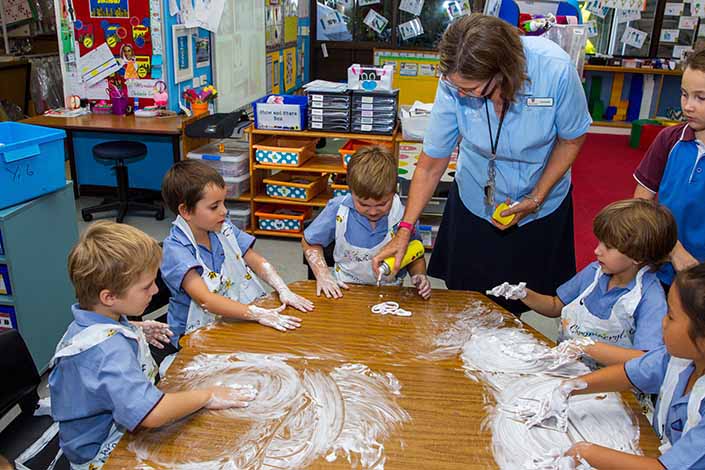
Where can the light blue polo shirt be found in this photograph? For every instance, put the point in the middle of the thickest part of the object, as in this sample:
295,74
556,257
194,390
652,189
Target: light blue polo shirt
179,256
98,387
647,373
552,104
649,312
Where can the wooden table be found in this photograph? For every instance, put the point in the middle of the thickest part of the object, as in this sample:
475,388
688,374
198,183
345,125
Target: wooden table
167,126
445,406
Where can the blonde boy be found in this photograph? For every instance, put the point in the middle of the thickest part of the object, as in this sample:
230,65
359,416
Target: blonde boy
360,223
102,382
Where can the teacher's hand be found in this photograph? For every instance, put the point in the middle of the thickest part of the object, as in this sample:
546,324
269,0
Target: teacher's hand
520,210
397,248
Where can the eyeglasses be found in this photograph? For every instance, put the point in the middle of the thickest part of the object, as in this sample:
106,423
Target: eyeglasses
486,90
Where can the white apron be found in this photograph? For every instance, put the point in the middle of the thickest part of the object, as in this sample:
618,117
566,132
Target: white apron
675,367
234,281
354,264
618,329
82,341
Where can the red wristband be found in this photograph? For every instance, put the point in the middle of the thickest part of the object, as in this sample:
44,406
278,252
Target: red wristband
407,226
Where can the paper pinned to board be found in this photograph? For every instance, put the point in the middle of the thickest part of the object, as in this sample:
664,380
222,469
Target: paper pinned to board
591,29
97,64
411,6
411,29
140,88
673,9
596,8
680,51
669,35
688,22
634,37
624,16
376,22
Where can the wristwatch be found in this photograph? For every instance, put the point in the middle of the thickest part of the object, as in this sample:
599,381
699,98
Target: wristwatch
406,225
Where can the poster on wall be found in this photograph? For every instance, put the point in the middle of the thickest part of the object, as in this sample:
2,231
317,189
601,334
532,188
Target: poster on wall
109,9
183,51
203,51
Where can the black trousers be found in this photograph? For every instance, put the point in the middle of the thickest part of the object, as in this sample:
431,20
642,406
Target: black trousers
472,254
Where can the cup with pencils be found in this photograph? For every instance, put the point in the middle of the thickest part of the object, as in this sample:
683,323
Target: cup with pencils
199,99
117,91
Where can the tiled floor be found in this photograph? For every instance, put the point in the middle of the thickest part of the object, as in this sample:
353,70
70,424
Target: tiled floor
286,256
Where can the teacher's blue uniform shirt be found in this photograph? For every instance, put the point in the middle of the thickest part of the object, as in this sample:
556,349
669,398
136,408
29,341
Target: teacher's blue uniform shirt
552,104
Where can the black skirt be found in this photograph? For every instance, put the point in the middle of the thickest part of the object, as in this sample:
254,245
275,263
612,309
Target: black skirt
472,254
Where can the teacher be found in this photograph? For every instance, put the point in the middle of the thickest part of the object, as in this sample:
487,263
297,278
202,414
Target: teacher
516,107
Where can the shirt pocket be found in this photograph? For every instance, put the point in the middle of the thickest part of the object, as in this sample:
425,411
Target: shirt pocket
535,133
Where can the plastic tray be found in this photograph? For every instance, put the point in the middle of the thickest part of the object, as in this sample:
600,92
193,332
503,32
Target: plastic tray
296,187
288,219
287,151
353,145
237,186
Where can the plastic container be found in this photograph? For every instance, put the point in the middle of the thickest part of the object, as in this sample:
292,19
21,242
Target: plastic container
288,219
8,320
289,116
295,187
31,162
237,186
353,145
413,127
285,151
5,287
233,161
239,213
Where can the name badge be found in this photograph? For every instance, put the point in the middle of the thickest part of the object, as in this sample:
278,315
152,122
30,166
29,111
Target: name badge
542,102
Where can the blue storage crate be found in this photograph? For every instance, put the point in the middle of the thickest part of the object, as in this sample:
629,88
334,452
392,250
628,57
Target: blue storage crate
8,320
31,162
2,247
5,287
290,116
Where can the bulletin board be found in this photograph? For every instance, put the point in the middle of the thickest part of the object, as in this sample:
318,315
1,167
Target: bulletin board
416,73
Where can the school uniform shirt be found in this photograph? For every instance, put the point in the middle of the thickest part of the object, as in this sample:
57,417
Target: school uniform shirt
647,373
98,387
674,168
551,105
359,231
647,316
179,256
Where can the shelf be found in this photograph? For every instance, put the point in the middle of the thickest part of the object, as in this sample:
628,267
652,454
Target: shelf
7,300
319,163
319,201
607,68
622,124
243,198
276,234
341,135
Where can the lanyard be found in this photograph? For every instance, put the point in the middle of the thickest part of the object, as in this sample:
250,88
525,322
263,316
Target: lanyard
494,141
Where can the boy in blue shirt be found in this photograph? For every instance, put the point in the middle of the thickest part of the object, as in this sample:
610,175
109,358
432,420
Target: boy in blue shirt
616,302
102,382
208,262
675,371
361,223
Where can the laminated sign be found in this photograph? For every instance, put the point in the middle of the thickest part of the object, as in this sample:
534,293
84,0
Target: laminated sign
370,78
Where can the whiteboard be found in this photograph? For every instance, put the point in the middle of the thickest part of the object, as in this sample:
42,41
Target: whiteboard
240,55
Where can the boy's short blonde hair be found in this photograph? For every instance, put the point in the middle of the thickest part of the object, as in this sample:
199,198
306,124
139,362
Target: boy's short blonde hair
372,173
641,229
185,183
110,256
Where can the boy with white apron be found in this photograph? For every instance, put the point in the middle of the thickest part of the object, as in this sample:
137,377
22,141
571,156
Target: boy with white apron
102,382
361,224
207,257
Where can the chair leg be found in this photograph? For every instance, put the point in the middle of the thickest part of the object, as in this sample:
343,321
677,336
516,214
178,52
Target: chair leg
122,180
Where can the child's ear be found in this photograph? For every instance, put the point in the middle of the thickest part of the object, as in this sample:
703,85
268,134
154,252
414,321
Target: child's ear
184,212
107,297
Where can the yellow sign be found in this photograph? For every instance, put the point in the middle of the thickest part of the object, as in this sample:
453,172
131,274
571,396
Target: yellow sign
416,73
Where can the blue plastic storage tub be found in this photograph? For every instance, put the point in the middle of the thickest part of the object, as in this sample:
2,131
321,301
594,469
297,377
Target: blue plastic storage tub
8,319
31,162
290,116
5,286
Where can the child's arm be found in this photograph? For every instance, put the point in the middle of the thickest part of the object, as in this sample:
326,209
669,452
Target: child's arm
546,305
175,406
219,305
268,274
610,459
417,270
609,354
325,282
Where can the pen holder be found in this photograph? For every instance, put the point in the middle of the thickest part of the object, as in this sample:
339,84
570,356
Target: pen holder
199,108
120,105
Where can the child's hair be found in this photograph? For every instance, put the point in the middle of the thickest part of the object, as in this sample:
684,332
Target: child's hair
695,60
691,290
185,183
372,173
110,256
641,229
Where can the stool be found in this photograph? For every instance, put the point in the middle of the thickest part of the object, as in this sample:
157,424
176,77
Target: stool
117,151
